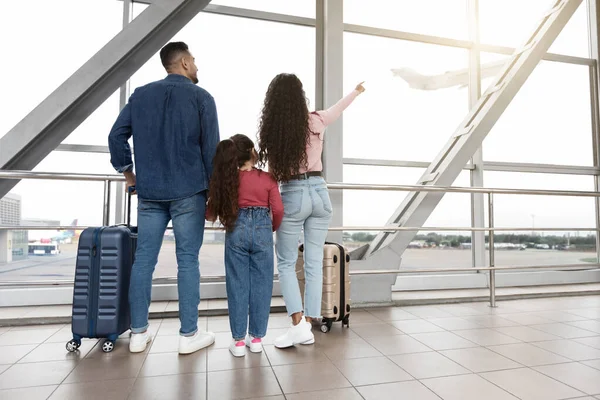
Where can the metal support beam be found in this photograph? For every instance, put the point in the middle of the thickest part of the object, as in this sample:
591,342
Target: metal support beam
40,132
417,206
594,40
330,88
477,201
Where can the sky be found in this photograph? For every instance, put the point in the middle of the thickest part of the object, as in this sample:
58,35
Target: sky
549,120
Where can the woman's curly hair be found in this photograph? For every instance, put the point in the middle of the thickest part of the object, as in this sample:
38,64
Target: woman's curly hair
231,154
284,131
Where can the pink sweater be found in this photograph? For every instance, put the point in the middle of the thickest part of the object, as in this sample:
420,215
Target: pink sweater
317,122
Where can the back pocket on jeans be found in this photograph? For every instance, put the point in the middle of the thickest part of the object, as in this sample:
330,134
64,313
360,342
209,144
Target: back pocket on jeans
324,195
292,202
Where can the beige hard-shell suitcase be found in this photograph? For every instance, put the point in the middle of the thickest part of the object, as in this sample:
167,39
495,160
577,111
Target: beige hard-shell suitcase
335,304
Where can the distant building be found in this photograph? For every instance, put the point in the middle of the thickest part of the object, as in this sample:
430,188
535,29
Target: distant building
13,244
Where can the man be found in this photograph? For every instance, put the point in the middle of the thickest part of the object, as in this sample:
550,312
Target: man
175,134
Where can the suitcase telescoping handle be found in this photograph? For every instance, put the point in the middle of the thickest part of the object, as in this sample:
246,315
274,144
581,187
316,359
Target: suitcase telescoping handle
130,191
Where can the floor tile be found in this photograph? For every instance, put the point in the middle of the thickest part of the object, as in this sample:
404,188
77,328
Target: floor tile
466,387
454,324
278,397
528,384
373,330
589,313
363,317
40,374
36,336
399,344
171,326
171,387
12,354
527,319
57,352
428,312
316,376
279,322
416,326
30,393
164,344
371,371
242,384
272,334
334,394
113,390
526,334
570,349
491,321
428,365
581,377
443,340
486,337
63,335
218,325
564,331
590,325
104,369
4,367
355,348
592,363
295,355
460,310
591,342
222,359
412,390
480,359
392,314
528,354
121,350
559,316
160,364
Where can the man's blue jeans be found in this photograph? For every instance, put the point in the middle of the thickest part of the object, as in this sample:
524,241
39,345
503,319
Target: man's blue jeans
188,225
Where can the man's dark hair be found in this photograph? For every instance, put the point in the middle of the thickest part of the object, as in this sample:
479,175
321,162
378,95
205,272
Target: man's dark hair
171,52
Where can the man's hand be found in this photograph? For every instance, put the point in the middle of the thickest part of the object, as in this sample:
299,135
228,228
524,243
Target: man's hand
130,180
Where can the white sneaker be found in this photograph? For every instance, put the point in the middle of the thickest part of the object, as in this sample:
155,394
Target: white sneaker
237,348
191,344
254,344
139,341
296,334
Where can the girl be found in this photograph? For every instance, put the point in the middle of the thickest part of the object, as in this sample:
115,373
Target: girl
243,198
291,141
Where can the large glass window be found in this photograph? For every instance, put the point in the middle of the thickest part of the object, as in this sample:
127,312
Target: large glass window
301,8
45,42
447,18
410,110
511,23
548,121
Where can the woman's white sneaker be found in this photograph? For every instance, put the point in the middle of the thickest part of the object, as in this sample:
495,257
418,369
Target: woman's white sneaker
296,334
254,344
237,348
191,344
139,341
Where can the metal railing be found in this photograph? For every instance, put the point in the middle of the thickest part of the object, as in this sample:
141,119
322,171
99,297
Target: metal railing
491,229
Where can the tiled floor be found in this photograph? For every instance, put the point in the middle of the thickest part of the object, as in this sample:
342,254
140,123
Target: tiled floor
545,349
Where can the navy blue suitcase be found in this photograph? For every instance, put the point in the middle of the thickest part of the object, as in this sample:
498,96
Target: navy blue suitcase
105,256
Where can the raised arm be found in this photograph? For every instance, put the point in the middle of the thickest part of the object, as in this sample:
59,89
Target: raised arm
276,205
330,115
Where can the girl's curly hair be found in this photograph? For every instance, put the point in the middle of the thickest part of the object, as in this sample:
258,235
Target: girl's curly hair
231,154
284,131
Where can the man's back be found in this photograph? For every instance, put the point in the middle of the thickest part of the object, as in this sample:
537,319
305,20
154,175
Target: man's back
175,134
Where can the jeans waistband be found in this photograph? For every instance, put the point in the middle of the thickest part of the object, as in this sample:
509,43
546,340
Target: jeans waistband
311,181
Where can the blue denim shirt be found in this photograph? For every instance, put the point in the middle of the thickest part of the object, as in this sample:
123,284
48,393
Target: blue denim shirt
175,135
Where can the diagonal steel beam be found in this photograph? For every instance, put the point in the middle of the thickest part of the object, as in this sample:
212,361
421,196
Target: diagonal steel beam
418,206
40,132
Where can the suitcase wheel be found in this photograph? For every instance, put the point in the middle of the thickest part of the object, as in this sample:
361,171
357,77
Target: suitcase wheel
346,321
326,326
73,345
108,346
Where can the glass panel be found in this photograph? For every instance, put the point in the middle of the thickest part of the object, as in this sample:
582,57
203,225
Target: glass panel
448,20
511,23
301,8
405,117
534,212
375,208
50,41
548,121
95,129
239,79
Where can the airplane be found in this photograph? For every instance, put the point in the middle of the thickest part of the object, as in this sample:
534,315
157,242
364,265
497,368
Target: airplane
67,236
446,80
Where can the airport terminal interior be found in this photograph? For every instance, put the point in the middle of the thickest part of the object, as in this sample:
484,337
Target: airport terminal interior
464,183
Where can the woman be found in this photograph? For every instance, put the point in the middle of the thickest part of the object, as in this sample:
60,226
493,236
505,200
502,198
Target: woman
291,142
